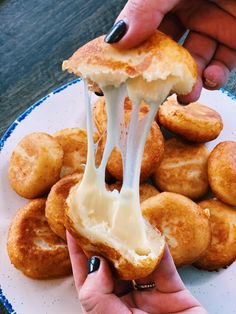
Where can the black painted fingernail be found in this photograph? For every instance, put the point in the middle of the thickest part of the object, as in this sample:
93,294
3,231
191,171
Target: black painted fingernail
116,32
99,93
93,264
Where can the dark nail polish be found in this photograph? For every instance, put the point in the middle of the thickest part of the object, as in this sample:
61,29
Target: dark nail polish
116,32
93,264
99,93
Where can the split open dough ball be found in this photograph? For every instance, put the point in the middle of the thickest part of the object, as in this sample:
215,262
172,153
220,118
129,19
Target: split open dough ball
222,172
56,203
33,247
222,249
35,165
184,224
194,122
183,169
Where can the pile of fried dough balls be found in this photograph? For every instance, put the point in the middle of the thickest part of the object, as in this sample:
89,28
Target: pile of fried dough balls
176,176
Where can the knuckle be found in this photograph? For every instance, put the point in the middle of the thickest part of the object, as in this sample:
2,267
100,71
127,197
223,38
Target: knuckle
137,7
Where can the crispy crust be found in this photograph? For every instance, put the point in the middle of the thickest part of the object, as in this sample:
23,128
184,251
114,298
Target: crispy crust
146,190
123,268
158,57
100,115
194,122
222,172
32,246
56,203
152,156
183,169
184,224
35,165
74,144
222,250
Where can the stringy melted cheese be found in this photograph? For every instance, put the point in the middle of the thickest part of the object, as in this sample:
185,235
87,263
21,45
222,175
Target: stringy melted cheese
119,213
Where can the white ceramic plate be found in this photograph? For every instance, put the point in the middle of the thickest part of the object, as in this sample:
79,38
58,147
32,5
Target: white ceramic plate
65,108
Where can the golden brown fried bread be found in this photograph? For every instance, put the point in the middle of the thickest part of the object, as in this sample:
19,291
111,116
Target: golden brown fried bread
158,58
222,172
95,237
194,122
35,165
56,203
153,153
183,169
33,247
146,190
222,250
100,115
184,224
74,144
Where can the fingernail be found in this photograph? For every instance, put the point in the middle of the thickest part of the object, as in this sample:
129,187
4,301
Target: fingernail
99,93
93,264
210,83
116,32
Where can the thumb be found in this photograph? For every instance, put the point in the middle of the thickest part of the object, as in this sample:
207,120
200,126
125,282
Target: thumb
142,17
96,294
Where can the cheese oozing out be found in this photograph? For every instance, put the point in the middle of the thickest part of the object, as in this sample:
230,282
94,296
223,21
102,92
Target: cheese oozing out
119,214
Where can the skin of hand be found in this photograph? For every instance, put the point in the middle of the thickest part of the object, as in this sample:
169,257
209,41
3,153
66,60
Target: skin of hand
99,292
211,39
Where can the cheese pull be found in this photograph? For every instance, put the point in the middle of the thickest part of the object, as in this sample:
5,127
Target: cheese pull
111,223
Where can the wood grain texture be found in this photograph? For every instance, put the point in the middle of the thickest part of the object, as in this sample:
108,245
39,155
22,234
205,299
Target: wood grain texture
36,36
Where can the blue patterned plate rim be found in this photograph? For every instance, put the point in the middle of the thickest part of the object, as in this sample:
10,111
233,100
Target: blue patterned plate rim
12,127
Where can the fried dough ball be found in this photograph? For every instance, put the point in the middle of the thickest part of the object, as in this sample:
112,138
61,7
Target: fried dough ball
153,153
56,203
74,144
146,190
35,165
184,224
33,247
222,250
183,169
222,172
194,122
100,115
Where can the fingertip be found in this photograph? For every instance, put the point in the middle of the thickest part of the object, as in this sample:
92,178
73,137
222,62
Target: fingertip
194,95
215,75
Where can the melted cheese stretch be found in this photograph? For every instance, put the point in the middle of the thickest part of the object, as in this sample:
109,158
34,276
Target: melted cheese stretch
119,213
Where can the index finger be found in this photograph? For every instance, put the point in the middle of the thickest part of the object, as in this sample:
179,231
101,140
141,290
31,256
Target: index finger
78,261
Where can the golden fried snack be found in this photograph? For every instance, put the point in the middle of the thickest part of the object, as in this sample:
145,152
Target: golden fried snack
153,153
183,169
33,247
94,234
35,165
108,223
100,115
146,190
56,203
222,249
222,172
74,144
194,122
158,58
184,224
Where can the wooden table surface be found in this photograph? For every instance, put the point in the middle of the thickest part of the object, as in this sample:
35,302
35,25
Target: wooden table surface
36,36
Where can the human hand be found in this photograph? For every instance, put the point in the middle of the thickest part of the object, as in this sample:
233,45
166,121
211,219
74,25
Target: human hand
211,40
99,292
